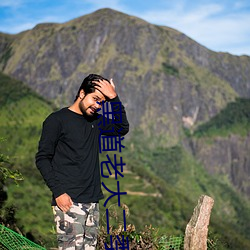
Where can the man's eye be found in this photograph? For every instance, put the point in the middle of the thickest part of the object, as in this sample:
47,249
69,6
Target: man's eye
100,102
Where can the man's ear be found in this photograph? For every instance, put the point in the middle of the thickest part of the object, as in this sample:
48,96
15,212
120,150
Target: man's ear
81,94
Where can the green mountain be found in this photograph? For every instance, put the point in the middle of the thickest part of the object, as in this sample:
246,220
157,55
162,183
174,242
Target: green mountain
188,108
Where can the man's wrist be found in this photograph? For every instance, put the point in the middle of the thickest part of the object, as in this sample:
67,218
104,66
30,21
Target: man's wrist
112,97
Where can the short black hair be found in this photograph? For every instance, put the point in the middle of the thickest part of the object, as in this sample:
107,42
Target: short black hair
88,85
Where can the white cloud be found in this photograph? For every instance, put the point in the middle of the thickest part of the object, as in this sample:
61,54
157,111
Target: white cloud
207,24
18,28
202,13
10,3
113,4
241,4
239,50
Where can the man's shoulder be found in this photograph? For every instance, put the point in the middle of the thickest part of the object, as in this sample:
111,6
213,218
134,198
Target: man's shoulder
60,112
57,115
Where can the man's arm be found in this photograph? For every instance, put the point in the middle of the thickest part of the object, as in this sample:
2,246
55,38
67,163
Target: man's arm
46,150
120,125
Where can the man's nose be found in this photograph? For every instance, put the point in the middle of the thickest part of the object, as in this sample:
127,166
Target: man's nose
98,105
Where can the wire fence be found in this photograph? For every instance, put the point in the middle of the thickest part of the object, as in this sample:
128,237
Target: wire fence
10,240
172,243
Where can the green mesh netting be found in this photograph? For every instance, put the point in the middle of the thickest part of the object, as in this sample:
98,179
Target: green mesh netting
11,240
172,242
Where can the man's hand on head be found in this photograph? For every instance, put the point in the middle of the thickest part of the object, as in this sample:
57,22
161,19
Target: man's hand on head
108,89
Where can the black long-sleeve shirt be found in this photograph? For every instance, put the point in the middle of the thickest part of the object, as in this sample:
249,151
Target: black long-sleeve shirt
68,152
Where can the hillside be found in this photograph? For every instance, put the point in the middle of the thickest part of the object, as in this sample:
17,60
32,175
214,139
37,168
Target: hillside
22,112
222,144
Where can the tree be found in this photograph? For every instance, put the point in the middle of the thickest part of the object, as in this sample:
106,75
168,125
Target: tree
7,215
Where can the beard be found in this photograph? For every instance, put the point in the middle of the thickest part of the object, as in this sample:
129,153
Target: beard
84,109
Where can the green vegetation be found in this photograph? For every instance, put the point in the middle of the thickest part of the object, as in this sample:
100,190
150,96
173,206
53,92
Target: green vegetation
170,70
234,118
7,214
6,49
22,113
184,181
146,239
5,171
6,56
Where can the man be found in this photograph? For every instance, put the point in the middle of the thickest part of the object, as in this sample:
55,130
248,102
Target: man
68,159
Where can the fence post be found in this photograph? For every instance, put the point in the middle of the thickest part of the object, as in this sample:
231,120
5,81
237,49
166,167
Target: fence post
197,228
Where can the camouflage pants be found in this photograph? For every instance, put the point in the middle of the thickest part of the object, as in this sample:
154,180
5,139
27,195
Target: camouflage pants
78,228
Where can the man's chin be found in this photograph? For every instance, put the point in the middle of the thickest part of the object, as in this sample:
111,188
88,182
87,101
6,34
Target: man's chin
89,113
86,112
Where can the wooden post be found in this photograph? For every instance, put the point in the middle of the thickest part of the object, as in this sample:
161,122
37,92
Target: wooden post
197,228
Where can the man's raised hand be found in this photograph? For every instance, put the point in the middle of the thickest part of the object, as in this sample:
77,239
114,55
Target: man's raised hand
107,89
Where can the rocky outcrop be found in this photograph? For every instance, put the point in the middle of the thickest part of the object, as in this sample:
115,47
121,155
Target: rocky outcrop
197,229
227,157
232,69
5,49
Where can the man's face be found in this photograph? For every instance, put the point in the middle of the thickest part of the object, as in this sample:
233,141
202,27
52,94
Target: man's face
88,104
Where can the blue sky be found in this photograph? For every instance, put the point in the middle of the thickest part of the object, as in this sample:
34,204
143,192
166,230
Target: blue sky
218,25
